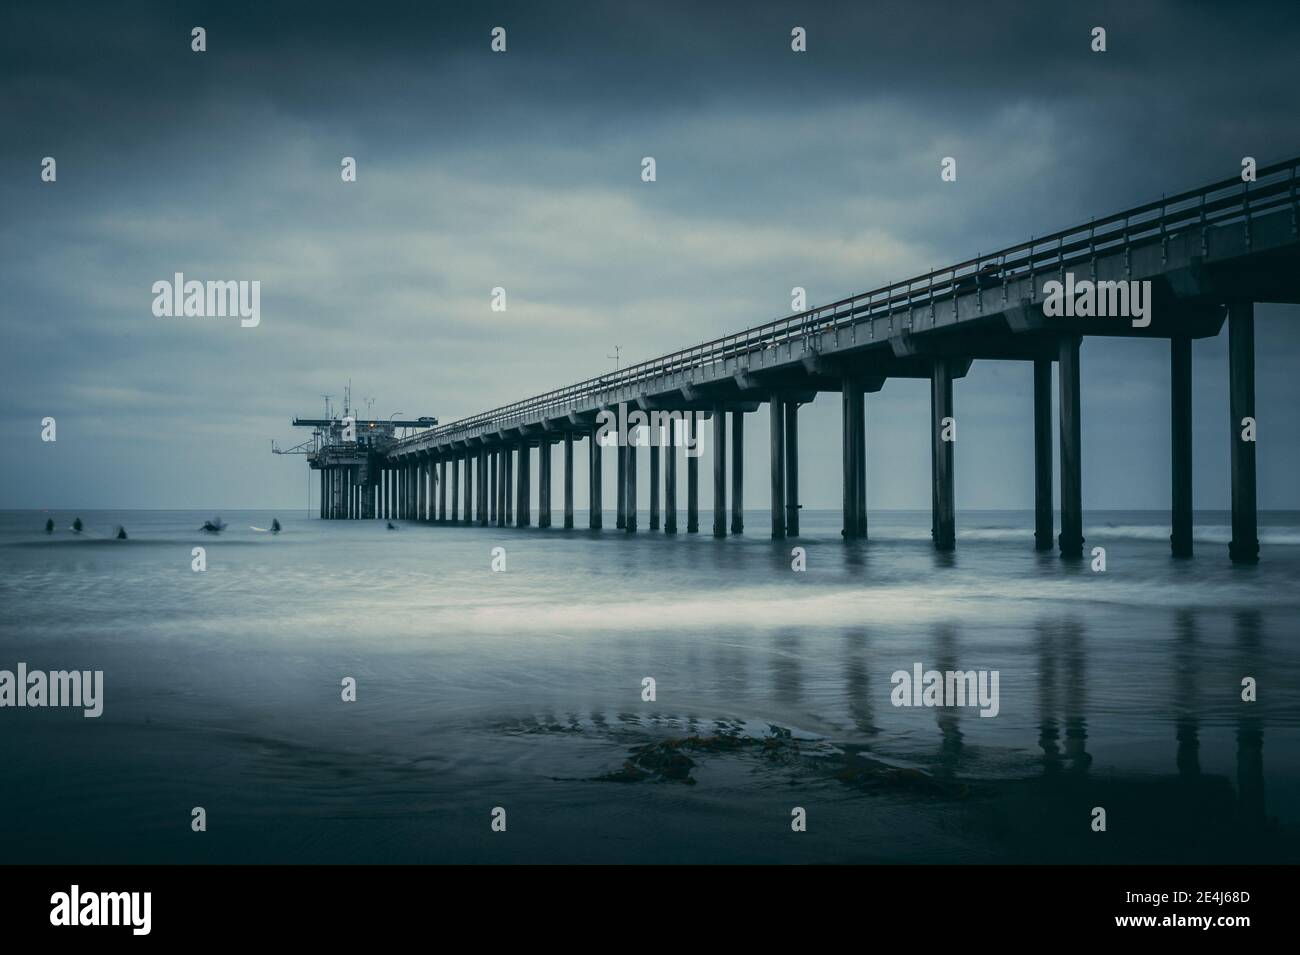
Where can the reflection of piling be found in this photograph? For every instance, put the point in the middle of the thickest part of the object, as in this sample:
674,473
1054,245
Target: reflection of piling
1250,728
1187,726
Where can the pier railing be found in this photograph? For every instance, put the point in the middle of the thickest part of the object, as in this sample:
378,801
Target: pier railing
1223,202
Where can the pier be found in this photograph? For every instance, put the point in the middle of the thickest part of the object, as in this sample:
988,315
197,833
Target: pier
1200,258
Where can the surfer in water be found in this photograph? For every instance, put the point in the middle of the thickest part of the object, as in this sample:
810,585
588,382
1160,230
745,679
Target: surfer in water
49,525
121,533
76,526
275,525
214,526
392,526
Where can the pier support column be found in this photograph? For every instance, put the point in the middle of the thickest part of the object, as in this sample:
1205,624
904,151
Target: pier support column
738,472
455,489
595,482
568,480
442,491
544,483
1180,444
792,468
424,490
693,475
469,487
1044,519
523,508
508,490
654,482
776,416
670,475
719,470
484,499
499,488
1244,547
1071,539
629,493
620,512
493,495
853,457
943,434
322,494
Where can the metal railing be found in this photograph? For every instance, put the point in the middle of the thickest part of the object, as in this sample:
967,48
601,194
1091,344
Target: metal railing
1223,202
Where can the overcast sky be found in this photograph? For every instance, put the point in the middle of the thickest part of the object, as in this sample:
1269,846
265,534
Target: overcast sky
522,170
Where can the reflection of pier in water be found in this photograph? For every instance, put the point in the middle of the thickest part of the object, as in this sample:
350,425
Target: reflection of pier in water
1184,814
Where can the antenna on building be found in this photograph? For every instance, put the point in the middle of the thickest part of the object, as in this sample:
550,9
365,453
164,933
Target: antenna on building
618,351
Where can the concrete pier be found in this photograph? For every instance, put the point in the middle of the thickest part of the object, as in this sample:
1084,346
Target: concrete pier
719,471
738,472
1044,519
595,482
776,410
1071,539
1243,248
1244,547
1180,444
568,480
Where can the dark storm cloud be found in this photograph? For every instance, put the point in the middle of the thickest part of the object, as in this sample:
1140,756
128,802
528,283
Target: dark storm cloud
521,170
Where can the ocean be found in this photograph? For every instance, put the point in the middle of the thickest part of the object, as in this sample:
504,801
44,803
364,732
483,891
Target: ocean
518,695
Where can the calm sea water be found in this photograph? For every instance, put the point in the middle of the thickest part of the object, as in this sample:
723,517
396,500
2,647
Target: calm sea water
523,690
